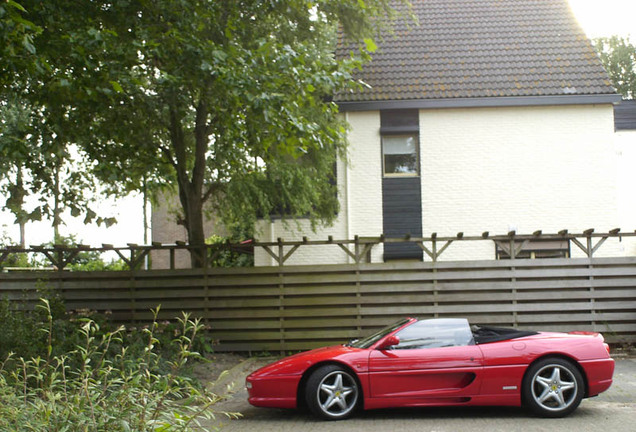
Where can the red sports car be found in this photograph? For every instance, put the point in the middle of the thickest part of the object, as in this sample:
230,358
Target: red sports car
440,362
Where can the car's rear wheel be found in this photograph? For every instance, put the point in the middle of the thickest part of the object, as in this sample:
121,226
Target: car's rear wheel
332,393
553,387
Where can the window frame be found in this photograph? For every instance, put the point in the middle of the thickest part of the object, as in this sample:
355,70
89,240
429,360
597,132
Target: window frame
416,138
455,331
545,248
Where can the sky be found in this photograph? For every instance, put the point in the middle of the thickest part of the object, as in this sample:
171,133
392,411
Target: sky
606,17
597,17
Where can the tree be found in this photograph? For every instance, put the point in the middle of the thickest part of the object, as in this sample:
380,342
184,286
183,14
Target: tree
17,51
38,163
13,154
229,101
618,56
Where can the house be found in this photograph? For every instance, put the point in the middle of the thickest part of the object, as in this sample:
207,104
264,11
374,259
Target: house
625,142
489,115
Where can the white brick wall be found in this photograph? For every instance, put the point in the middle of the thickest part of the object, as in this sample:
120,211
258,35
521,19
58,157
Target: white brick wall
359,188
528,168
365,177
483,169
626,183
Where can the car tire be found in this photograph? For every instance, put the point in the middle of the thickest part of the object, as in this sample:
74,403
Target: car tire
332,393
553,387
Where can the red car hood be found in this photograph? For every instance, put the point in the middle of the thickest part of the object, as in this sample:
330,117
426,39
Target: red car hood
298,363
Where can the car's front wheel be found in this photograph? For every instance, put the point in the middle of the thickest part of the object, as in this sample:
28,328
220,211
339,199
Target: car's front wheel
553,387
332,393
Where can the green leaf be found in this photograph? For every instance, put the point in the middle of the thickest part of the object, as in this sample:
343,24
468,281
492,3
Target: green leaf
16,5
370,45
26,43
36,215
90,215
109,221
219,55
116,86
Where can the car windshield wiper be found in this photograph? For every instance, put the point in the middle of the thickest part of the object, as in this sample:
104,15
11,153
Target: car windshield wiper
351,342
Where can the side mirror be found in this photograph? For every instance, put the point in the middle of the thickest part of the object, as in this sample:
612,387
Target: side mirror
389,342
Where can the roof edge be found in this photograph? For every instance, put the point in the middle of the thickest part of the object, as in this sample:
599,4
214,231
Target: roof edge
482,102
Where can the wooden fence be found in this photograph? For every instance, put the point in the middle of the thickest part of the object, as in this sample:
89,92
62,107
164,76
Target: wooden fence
300,307
357,249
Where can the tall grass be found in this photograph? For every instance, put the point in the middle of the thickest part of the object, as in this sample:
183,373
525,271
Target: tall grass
101,386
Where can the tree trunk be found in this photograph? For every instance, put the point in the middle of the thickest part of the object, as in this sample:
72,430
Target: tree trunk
196,233
57,210
148,263
20,214
191,189
22,225
192,206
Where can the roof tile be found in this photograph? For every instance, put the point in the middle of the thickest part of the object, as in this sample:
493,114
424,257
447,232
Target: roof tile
482,48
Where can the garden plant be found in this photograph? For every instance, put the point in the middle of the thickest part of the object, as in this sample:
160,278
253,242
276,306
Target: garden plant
104,383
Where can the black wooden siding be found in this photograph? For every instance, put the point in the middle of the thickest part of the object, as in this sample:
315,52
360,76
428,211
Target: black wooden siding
625,115
402,211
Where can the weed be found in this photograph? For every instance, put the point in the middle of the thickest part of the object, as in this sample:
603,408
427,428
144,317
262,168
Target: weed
100,386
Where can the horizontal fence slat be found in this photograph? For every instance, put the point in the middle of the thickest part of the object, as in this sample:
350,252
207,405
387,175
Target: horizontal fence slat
300,307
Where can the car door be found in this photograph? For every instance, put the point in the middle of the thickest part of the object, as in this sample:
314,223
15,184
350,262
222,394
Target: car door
435,359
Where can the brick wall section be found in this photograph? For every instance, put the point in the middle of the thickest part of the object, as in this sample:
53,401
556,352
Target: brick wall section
483,169
166,230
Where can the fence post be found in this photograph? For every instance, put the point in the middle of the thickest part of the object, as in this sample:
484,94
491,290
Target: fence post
281,308
358,300
435,283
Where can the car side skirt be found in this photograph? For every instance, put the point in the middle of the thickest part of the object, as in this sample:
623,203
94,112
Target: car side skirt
481,400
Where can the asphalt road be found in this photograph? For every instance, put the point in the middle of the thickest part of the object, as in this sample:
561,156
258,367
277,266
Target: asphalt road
614,410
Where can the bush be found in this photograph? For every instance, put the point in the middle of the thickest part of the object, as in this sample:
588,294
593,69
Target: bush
226,256
21,326
12,259
101,386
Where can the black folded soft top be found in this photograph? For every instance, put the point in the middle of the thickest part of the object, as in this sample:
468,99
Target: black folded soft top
488,334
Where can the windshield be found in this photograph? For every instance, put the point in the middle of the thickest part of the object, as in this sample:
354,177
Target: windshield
370,340
435,333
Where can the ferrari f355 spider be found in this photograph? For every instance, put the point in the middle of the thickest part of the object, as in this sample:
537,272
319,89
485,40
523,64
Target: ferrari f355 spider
440,362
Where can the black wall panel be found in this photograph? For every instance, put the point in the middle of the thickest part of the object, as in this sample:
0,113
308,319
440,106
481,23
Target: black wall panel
402,212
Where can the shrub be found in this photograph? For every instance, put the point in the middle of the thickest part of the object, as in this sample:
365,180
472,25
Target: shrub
20,325
226,256
109,389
